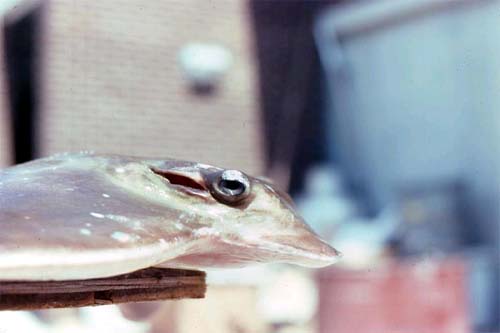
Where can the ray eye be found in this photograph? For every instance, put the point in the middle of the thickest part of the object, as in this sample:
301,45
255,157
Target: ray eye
230,186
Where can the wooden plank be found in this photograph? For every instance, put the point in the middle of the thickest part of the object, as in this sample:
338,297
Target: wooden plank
152,284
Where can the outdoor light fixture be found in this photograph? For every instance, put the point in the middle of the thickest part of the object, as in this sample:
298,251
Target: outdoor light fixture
204,65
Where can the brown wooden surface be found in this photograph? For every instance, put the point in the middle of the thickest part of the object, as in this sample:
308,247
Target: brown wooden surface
151,284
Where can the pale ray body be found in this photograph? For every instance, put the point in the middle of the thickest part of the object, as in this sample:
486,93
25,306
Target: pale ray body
78,216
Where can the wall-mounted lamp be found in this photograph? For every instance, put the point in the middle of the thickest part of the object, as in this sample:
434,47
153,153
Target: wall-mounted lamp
204,65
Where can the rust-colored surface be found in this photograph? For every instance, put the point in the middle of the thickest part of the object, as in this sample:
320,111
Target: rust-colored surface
412,297
152,284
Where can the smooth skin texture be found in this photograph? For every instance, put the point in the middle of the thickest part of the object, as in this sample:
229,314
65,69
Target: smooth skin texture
78,216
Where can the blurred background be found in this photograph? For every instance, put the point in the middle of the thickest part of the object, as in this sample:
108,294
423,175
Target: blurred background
381,117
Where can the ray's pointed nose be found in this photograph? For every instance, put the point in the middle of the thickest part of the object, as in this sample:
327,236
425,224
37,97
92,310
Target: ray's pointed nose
310,251
304,247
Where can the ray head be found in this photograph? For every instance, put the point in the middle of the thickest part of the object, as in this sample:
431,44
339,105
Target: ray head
243,219
76,216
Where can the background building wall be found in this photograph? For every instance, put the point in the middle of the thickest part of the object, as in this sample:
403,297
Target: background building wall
402,116
415,105
112,83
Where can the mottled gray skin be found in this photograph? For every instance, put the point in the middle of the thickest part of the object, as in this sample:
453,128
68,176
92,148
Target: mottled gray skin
77,216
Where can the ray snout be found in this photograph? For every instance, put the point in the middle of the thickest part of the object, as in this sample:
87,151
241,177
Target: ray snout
305,250
302,246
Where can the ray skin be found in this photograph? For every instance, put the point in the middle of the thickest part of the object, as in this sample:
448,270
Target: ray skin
79,216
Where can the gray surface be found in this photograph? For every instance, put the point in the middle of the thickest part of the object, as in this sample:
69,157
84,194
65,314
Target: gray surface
418,102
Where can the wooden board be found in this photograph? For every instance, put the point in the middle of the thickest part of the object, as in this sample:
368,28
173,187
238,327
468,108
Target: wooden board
151,284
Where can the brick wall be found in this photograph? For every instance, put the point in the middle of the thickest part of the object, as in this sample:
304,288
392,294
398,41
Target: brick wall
111,81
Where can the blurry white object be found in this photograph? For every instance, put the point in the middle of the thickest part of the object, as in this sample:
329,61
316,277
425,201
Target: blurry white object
362,241
324,204
109,319
285,294
289,297
21,321
205,64
250,276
